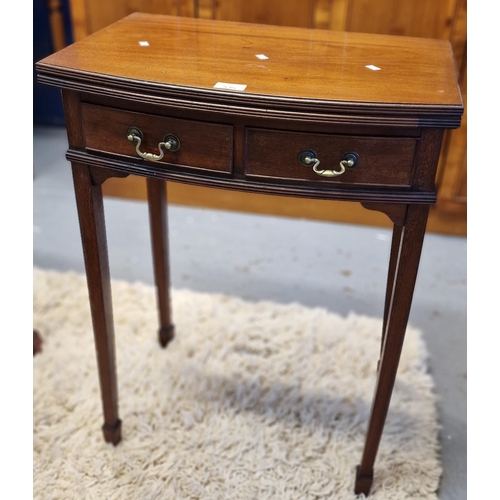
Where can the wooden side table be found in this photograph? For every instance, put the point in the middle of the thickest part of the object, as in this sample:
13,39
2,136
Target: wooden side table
284,111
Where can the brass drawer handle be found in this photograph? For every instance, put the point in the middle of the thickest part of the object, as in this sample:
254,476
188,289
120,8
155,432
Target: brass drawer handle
170,142
309,157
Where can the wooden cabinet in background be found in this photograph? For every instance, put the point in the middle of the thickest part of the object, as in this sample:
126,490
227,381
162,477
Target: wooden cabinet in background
445,19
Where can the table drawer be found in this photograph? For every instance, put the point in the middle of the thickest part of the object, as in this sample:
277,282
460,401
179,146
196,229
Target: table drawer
383,161
207,146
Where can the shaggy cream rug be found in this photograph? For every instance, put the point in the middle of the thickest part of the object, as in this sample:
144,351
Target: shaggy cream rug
250,401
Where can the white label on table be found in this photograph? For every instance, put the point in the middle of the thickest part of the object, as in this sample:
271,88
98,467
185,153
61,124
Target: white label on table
229,86
144,43
373,67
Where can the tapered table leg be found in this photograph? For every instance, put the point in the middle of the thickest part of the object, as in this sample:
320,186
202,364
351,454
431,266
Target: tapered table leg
93,232
157,202
404,263
397,235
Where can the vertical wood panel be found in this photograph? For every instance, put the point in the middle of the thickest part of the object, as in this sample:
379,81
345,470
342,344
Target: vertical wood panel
452,173
79,19
206,9
458,36
339,14
291,13
102,13
420,18
56,25
452,195
321,14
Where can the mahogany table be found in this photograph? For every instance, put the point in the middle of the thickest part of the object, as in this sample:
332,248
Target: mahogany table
276,110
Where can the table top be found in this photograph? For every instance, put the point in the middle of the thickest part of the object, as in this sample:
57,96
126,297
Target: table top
248,63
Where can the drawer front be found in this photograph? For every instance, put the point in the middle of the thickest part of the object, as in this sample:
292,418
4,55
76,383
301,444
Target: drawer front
383,161
206,146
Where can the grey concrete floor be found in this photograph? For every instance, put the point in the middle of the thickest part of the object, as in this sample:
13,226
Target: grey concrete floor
336,266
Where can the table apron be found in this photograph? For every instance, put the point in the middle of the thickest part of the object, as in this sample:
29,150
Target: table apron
230,181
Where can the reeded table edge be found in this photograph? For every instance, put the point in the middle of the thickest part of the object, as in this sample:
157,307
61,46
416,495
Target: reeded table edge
255,105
